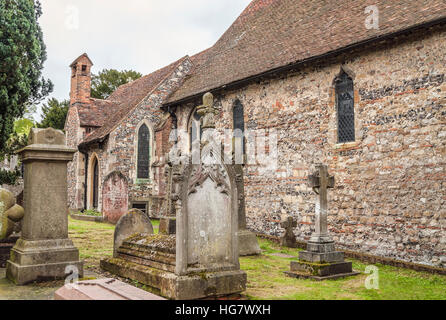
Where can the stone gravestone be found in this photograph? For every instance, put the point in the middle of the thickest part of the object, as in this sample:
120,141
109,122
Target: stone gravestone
134,222
201,259
248,244
115,197
288,239
321,261
10,216
44,249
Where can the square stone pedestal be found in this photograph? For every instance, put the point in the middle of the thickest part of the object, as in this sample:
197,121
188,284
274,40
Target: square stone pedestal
321,262
42,260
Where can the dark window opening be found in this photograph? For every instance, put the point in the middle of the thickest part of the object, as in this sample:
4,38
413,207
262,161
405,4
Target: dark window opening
238,119
84,68
345,108
95,184
143,152
140,206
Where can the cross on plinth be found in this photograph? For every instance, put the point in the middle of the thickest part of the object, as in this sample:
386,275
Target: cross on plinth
321,181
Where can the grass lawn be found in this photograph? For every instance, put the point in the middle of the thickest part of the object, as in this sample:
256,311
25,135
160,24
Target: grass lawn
265,273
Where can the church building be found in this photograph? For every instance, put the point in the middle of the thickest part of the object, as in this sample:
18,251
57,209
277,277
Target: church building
358,87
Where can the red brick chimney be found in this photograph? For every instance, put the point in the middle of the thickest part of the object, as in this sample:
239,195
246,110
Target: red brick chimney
81,80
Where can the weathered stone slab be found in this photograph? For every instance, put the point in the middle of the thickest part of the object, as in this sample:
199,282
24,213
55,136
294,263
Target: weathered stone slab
103,289
134,222
115,197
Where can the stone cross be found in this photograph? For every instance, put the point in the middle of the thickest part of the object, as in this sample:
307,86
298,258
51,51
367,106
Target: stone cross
207,112
288,239
321,181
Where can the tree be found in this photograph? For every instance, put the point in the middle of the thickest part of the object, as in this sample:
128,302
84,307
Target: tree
22,54
54,114
16,141
108,80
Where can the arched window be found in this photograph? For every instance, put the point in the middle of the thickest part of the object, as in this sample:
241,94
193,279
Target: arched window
238,120
143,164
194,129
345,108
94,183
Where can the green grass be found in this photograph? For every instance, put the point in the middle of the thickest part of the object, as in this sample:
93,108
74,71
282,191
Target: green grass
267,281
265,273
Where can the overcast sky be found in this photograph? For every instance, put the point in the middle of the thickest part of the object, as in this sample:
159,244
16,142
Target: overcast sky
142,35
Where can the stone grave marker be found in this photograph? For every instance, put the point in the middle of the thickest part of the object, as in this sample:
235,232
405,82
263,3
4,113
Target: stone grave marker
288,239
248,244
115,197
135,221
102,289
321,261
44,250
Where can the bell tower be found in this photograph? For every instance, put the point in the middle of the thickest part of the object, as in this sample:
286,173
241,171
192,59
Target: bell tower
80,80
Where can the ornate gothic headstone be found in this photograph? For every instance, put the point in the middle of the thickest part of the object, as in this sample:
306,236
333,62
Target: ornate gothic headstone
202,259
44,249
321,261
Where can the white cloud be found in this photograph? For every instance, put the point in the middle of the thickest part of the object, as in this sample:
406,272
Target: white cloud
143,35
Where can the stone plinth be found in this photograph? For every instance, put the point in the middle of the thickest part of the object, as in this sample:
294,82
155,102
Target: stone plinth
44,250
103,289
321,262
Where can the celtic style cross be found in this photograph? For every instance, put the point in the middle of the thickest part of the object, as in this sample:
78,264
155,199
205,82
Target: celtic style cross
321,182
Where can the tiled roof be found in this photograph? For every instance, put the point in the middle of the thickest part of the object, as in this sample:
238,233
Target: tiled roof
271,34
123,100
96,113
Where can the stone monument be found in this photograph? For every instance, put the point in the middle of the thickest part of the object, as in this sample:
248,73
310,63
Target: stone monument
202,259
321,261
44,250
288,239
248,244
11,215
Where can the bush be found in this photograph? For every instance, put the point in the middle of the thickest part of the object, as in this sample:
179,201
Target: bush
90,212
9,177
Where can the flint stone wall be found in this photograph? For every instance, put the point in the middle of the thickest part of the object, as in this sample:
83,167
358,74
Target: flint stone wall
390,194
